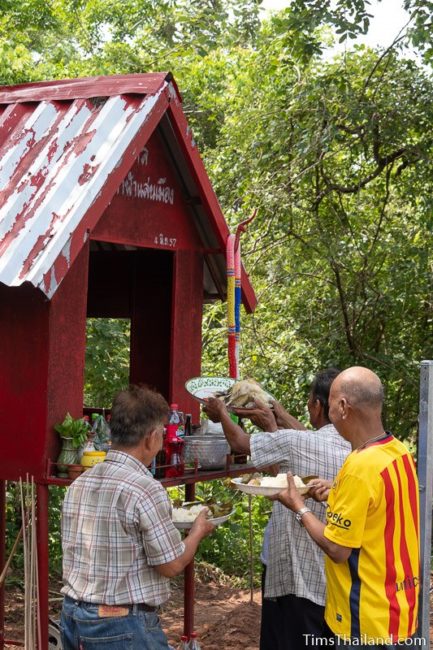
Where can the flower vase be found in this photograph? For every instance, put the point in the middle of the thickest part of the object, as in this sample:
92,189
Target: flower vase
67,456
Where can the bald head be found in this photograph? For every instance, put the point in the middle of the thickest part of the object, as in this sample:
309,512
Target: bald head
361,387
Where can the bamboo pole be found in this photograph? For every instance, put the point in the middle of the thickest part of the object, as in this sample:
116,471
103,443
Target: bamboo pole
12,553
23,517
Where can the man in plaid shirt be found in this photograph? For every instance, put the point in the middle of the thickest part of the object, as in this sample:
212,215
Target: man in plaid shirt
294,576
120,547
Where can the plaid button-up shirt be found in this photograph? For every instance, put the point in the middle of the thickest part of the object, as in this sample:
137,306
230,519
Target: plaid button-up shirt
295,564
116,526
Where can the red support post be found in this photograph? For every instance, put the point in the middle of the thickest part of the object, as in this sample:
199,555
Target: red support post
188,589
2,559
43,566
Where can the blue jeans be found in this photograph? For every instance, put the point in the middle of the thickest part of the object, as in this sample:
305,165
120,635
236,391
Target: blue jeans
83,629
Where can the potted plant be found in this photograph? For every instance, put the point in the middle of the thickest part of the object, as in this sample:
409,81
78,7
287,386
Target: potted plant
73,432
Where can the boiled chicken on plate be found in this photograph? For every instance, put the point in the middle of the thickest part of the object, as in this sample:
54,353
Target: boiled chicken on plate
244,394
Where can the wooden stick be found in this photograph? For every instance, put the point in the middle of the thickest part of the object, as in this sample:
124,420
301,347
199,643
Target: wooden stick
250,521
32,564
26,609
12,553
35,540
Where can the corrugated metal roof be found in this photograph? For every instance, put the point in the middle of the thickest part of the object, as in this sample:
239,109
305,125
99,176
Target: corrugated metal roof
55,158
65,146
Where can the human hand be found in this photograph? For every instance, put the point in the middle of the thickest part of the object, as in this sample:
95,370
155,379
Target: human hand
273,470
319,489
261,416
282,417
290,497
202,526
214,408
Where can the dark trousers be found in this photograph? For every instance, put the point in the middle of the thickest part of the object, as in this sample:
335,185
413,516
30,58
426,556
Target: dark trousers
287,620
340,643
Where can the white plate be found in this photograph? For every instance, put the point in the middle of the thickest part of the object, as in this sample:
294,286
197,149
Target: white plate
186,525
258,490
203,387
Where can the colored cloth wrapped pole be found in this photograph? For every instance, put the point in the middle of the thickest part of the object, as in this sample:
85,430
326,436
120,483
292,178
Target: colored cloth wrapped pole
238,298
233,304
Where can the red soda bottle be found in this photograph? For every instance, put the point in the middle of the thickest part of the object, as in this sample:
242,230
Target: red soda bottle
174,444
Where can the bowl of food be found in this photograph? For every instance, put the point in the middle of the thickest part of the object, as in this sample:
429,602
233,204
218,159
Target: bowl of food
209,451
184,516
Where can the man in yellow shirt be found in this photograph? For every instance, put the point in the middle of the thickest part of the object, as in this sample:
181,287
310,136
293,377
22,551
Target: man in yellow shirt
371,537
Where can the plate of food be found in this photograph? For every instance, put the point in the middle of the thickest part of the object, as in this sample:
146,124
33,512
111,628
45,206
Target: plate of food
184,516
267,486
237,395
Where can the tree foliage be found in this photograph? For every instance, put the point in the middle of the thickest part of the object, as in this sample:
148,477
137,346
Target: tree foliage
337,157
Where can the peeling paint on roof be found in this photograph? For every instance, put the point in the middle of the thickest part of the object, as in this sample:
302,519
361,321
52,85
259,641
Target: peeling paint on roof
55,158
65,148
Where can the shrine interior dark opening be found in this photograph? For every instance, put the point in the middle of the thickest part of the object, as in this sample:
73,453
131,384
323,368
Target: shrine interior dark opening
136,284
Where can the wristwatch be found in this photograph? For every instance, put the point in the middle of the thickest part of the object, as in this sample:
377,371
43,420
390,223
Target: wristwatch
300,514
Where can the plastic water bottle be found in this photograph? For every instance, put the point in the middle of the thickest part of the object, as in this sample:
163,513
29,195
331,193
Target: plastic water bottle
174,421
183,643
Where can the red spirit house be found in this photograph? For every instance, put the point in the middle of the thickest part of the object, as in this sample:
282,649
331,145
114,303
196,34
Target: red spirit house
106,210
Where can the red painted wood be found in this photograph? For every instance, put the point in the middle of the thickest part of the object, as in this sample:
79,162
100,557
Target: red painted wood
233,471
66,347
185,357
2,558
104,86
24,315
133,218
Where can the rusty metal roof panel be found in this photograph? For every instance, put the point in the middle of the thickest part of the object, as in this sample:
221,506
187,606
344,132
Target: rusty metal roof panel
55,158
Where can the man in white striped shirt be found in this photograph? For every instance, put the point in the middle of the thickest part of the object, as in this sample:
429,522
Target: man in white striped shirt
294,576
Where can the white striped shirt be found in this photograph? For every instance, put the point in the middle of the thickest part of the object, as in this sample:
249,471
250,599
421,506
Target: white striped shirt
294,563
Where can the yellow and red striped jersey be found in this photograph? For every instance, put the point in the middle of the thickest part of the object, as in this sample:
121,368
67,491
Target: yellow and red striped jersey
373,507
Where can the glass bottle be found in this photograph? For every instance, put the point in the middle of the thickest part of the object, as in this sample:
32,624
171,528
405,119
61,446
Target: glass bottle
188,424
